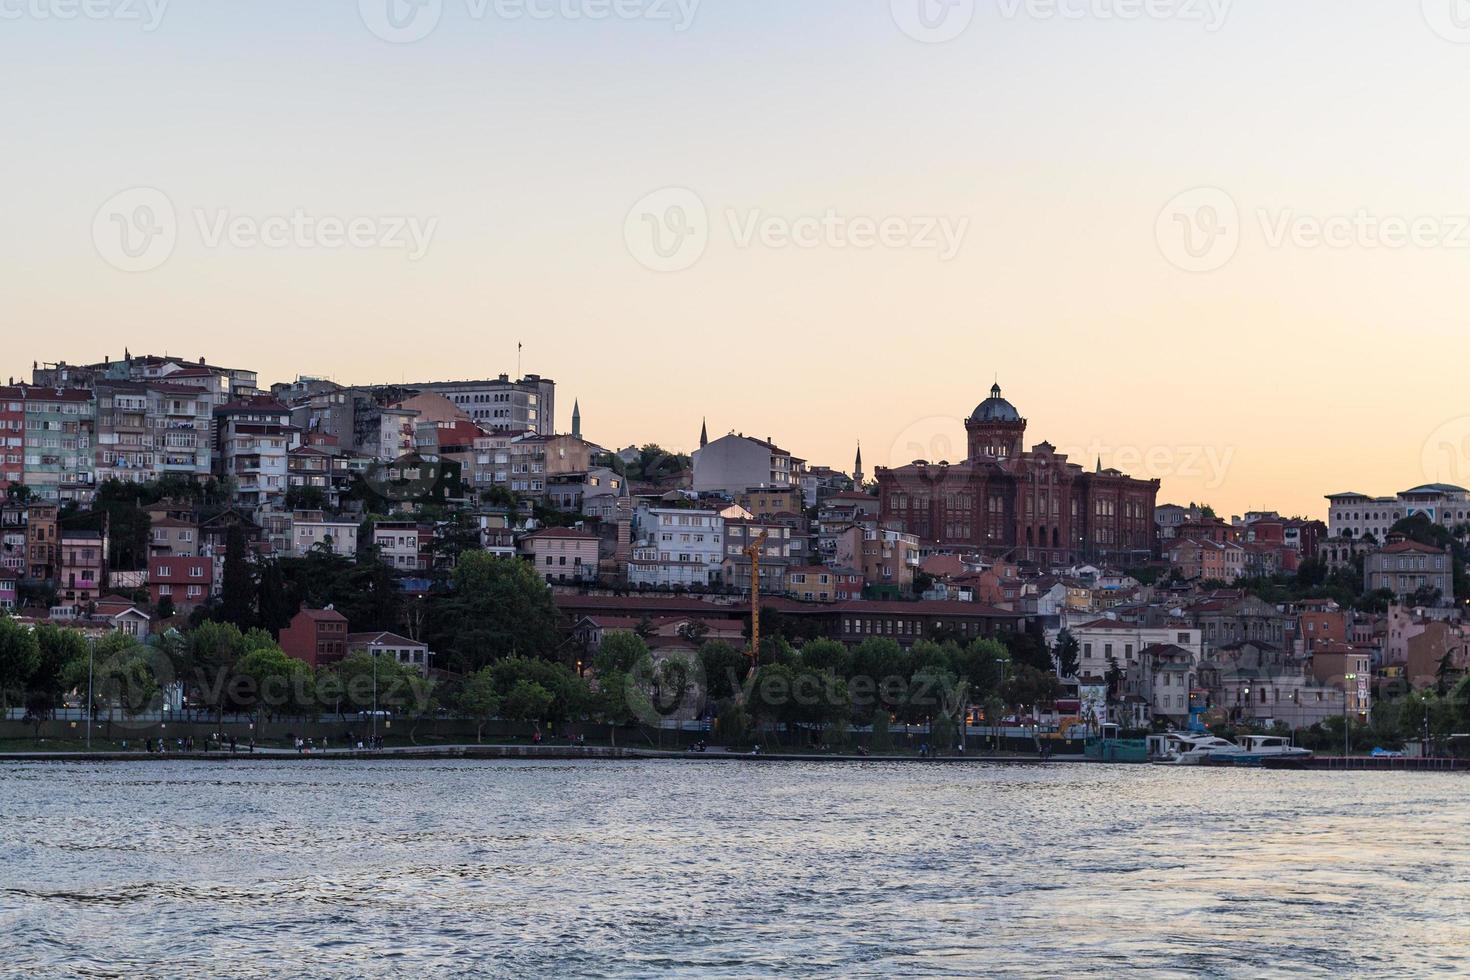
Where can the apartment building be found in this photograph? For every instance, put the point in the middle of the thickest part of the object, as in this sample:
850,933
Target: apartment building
60,430
562,555
405,545
184,580
255,436
502,405
677,547
83,566
12,436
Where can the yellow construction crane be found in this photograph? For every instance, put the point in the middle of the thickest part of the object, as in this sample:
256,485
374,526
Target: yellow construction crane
754,552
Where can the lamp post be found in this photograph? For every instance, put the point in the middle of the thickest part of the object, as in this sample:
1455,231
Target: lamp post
1346,741
91,656
375,697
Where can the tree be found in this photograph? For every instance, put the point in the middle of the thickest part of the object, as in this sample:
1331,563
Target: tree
281,683
58,648
237,588
620,652
19,659
479,699
725,669
1114,679
881,740
1068,654
1026,650
498,607
827,655
305,498
214,649
528,701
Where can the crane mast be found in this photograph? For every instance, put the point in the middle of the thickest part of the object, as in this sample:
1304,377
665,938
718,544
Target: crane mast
754,553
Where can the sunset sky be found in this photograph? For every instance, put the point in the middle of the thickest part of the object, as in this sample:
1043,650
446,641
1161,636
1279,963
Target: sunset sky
1225,245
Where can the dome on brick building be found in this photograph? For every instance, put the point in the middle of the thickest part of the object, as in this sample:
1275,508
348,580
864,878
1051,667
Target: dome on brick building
995,409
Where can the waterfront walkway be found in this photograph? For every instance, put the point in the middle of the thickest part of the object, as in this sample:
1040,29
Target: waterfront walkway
472,751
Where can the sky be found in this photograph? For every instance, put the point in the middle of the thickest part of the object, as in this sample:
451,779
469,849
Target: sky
1219,243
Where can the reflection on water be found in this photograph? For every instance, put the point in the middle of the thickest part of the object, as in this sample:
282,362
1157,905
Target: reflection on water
735,869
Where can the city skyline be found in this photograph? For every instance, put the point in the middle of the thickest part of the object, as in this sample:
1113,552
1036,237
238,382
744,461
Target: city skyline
1188,295
1202,472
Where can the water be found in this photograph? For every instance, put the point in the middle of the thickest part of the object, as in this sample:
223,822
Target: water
727,869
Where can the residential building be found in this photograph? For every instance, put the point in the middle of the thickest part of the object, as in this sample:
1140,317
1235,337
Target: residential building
1103,642
316,636
310,528
502,404
677,547
170,536
407,546
43,541
1203,560
821,583
735,463
59,441
83,566
1418,574
562,555
12,436
183,422
1006,502
255,434
888,558
775,554
409,653
769,501
1347,668
185,580
8,589
1438,654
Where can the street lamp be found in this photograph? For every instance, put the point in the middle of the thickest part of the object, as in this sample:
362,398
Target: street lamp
91,656
1346,741
375,697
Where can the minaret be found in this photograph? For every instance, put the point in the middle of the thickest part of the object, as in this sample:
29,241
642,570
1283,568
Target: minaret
703,433
576,419
857,468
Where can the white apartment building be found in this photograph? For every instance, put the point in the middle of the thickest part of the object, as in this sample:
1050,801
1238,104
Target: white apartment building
311,528
502,404
677,547
1357,514
400,544
1102,639
733,463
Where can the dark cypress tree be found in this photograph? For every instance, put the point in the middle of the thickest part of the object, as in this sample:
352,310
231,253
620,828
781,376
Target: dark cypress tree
237,601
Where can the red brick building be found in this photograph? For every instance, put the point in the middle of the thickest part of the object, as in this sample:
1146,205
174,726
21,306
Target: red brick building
1003,501
12,436
185,580
317,636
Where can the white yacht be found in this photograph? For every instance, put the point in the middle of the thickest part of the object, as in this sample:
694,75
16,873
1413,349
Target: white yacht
1181,749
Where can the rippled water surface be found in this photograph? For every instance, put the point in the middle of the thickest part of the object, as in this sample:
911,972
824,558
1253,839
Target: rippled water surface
735,869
